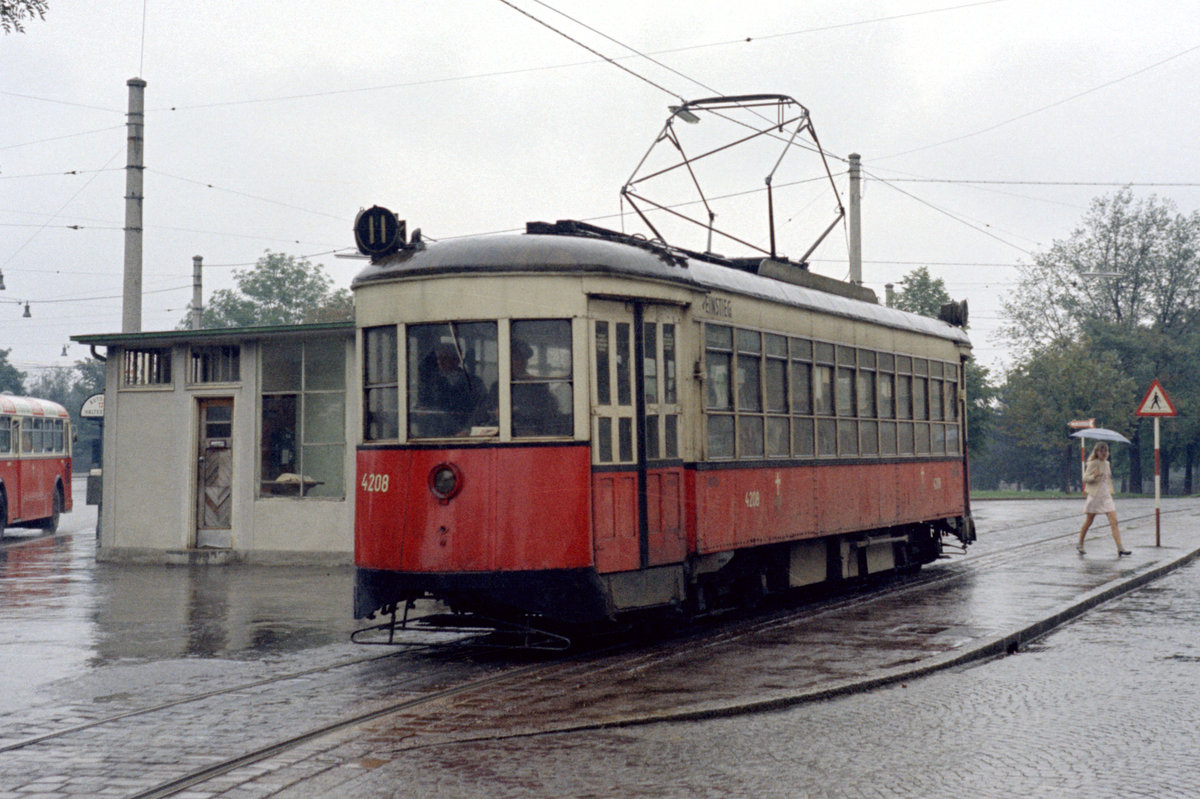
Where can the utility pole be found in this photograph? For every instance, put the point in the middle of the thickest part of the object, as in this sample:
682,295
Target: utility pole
855,226
197,294
131,303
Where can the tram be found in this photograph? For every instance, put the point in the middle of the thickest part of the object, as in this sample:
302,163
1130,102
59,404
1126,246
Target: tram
571,425
35,462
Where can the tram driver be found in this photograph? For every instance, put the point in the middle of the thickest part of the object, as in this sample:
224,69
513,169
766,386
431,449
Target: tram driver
450,390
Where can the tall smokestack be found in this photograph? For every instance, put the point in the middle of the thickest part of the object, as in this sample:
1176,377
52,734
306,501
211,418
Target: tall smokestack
855,226
131,303
197,292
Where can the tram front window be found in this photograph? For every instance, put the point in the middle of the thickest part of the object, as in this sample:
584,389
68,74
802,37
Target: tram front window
541,378
452,375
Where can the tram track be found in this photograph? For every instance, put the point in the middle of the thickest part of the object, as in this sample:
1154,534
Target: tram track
608,665
193,698
613,663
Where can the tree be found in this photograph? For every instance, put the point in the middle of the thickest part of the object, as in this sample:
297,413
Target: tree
279,290
12,12
1131,264
921,293
1049,389
1126,283
12,380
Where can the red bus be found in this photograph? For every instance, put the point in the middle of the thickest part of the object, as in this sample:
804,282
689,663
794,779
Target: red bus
35,462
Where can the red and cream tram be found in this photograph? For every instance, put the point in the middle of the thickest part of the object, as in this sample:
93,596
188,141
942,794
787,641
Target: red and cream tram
572,424
35,462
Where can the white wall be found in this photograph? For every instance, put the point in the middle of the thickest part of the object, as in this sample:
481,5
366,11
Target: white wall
150,474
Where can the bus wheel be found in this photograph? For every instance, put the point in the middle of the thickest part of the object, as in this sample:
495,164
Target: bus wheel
50,523
3,512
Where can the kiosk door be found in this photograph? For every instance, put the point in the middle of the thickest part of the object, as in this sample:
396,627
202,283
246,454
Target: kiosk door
214,495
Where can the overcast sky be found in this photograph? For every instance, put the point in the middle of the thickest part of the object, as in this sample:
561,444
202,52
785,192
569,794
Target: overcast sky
270,124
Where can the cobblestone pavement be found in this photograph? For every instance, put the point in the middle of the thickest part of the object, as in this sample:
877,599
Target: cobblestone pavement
495,743
1106,707
106,640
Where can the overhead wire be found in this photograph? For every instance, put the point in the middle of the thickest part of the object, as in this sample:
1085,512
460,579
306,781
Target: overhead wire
947,214
79,191
1055,104
60,138
591,50
571,65
207,185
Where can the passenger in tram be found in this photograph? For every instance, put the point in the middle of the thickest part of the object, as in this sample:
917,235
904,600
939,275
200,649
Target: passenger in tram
535,411
451,391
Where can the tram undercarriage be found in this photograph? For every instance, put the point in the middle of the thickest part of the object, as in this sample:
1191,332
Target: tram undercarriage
548,610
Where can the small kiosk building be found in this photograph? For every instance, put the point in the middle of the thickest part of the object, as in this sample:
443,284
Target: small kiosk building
229,444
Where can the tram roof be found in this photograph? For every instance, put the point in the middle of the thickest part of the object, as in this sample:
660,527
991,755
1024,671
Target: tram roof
556,253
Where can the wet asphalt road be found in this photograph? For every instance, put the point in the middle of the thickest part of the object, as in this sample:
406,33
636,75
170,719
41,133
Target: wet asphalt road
1099,708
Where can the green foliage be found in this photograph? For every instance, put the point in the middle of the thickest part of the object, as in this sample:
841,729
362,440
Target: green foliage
981,413
13,12
279,290
12,380
1123,289
1130,264
921,293
1051,388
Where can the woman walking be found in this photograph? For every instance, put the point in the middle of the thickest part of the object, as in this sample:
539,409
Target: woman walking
1097,481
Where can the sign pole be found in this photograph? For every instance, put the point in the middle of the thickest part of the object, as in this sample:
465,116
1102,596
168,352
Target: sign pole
1082,424
1157,489
1157,404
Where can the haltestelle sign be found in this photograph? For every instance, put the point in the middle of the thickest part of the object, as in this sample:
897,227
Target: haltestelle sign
93,407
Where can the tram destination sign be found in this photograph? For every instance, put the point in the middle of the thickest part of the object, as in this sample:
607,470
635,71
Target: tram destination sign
378,232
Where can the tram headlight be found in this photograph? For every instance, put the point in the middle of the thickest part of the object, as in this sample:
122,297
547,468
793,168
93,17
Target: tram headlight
445,480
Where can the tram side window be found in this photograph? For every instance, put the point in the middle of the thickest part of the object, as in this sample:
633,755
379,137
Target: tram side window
381,398
452,376
885,383
775,383
748,389
823,400
5,434
718,359
868,429
802,398
542,400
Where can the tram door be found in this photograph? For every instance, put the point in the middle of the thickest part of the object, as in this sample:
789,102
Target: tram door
214,494
637,483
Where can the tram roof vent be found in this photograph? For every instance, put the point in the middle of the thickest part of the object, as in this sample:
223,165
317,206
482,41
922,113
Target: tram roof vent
572,227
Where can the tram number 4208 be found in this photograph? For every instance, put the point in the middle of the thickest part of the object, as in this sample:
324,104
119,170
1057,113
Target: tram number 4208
375,483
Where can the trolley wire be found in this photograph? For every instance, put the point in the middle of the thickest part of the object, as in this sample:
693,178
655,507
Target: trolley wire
1047,107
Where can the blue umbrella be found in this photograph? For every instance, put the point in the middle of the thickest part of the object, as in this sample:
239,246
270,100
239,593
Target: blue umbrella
1101,433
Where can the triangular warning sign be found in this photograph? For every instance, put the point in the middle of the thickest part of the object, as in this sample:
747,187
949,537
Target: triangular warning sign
1156,402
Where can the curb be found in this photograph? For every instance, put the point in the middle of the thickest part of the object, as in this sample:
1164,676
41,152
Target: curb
1001,644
